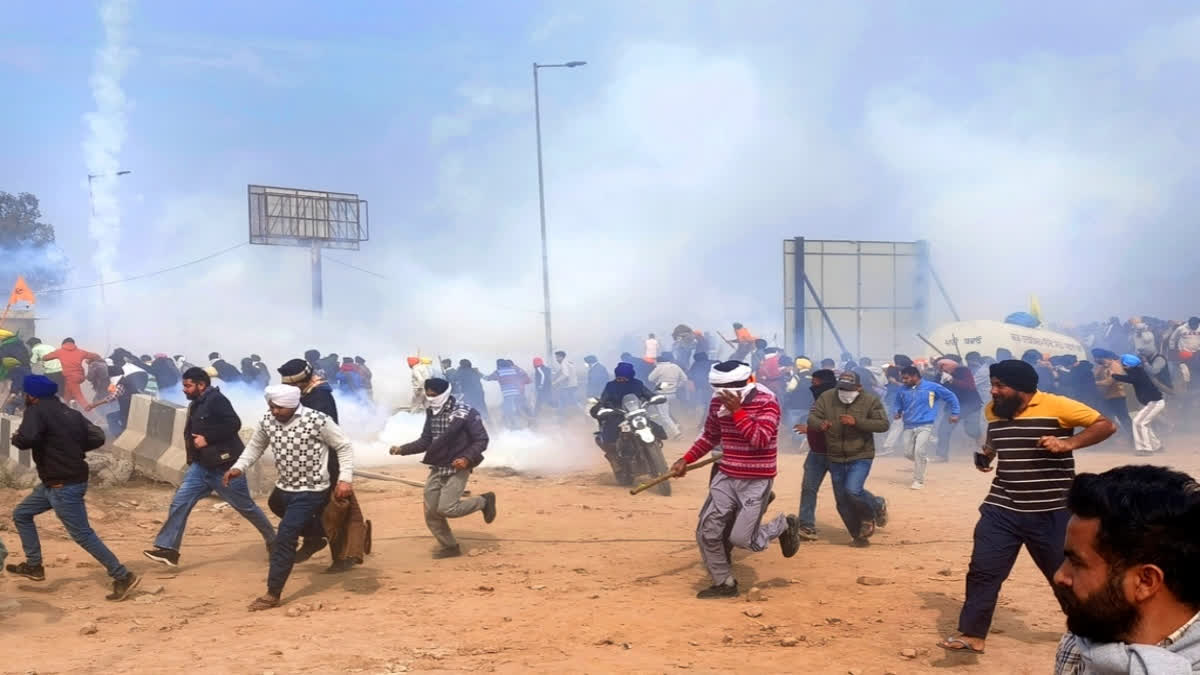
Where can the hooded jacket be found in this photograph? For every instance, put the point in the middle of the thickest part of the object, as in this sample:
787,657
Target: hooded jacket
72,357
844,443
1180,656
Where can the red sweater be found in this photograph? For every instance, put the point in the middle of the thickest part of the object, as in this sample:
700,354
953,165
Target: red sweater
748,437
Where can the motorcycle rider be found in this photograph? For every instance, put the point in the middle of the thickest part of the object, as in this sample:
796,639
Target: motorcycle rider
623,384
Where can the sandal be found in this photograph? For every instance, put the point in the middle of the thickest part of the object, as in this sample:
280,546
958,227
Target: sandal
964,646
265,602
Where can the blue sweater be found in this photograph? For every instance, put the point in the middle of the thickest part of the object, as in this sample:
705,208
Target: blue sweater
919,404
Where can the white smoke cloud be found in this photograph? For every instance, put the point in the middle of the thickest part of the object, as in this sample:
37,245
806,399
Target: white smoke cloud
106,135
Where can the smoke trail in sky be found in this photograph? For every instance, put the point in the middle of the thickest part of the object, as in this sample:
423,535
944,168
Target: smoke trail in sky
106,134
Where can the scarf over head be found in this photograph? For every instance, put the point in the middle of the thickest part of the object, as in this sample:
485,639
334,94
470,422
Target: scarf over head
295,371
441,391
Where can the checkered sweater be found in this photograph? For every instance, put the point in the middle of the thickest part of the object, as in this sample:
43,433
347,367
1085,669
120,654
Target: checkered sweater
748,438
301,448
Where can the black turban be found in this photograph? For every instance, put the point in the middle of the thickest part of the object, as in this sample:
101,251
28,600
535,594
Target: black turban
437,385
1019,375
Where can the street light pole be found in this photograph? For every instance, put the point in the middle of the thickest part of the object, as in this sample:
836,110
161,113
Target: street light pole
103,299
537,119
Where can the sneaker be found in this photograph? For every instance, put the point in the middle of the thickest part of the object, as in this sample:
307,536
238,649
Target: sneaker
309,548
34,572
789,541
489,506
881,513
917,485
860,542
452,552
719,591
166,556
122,587
807,533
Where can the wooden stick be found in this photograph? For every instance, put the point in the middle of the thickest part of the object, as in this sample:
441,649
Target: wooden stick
668,476
383,476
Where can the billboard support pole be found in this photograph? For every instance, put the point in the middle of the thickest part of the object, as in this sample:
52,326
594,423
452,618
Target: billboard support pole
799,348
318,300
946,296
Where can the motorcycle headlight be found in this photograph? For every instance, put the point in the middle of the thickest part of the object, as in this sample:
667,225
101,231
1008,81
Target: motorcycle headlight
625,426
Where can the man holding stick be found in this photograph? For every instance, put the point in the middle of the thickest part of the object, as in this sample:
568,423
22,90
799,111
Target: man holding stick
743,418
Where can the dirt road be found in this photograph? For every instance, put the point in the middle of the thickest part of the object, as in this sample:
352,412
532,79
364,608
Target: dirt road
574,576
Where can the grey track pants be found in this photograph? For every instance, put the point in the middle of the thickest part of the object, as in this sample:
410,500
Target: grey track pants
443,500
740,503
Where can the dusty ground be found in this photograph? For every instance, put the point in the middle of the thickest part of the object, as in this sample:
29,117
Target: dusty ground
574,576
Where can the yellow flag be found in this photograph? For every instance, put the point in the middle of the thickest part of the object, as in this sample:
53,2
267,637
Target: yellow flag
21,293
1035,308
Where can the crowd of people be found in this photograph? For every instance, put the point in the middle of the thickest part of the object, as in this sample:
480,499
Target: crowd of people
1117,548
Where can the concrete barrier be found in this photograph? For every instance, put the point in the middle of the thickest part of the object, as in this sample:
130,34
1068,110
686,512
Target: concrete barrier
154,438
16,465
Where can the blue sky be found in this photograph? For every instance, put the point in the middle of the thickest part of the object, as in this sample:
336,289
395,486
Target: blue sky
1013,135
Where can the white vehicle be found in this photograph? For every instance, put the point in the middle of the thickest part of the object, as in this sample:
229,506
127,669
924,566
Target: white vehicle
986,337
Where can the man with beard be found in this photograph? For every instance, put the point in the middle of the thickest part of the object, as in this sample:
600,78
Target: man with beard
301,439
816,464
743,419
452,444
1129,583
210,436
1031,434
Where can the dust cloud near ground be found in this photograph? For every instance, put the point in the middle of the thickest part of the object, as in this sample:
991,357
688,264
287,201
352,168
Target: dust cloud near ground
575,575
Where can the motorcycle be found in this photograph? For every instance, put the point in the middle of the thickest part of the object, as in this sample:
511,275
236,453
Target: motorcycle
639,447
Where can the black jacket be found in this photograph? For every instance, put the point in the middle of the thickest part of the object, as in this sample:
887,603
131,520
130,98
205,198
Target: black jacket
464,437
226,371
470,384
58,437
1143,386
213,417
320,398
165,372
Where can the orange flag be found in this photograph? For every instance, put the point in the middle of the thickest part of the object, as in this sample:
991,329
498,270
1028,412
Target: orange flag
21,293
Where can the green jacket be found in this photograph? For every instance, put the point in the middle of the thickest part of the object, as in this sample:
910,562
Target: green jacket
849,443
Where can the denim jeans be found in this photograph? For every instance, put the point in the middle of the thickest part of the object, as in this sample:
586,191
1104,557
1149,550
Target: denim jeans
854,503
816,465
67,503
197,484
298,511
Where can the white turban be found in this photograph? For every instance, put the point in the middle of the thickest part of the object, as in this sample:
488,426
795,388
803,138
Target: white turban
283,396
729,372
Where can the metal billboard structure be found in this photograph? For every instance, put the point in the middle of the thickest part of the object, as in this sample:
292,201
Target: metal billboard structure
312,219
865,298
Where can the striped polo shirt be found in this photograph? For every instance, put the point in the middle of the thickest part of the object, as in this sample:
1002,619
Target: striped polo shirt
1029,478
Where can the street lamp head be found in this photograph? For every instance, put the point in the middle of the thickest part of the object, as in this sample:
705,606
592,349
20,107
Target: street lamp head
575,64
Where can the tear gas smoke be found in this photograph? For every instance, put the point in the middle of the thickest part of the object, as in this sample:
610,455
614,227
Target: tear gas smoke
106,135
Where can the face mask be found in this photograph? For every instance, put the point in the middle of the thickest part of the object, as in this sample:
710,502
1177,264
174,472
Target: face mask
438,402
847,397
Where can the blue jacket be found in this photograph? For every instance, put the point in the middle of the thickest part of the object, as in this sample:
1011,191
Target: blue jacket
919,404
